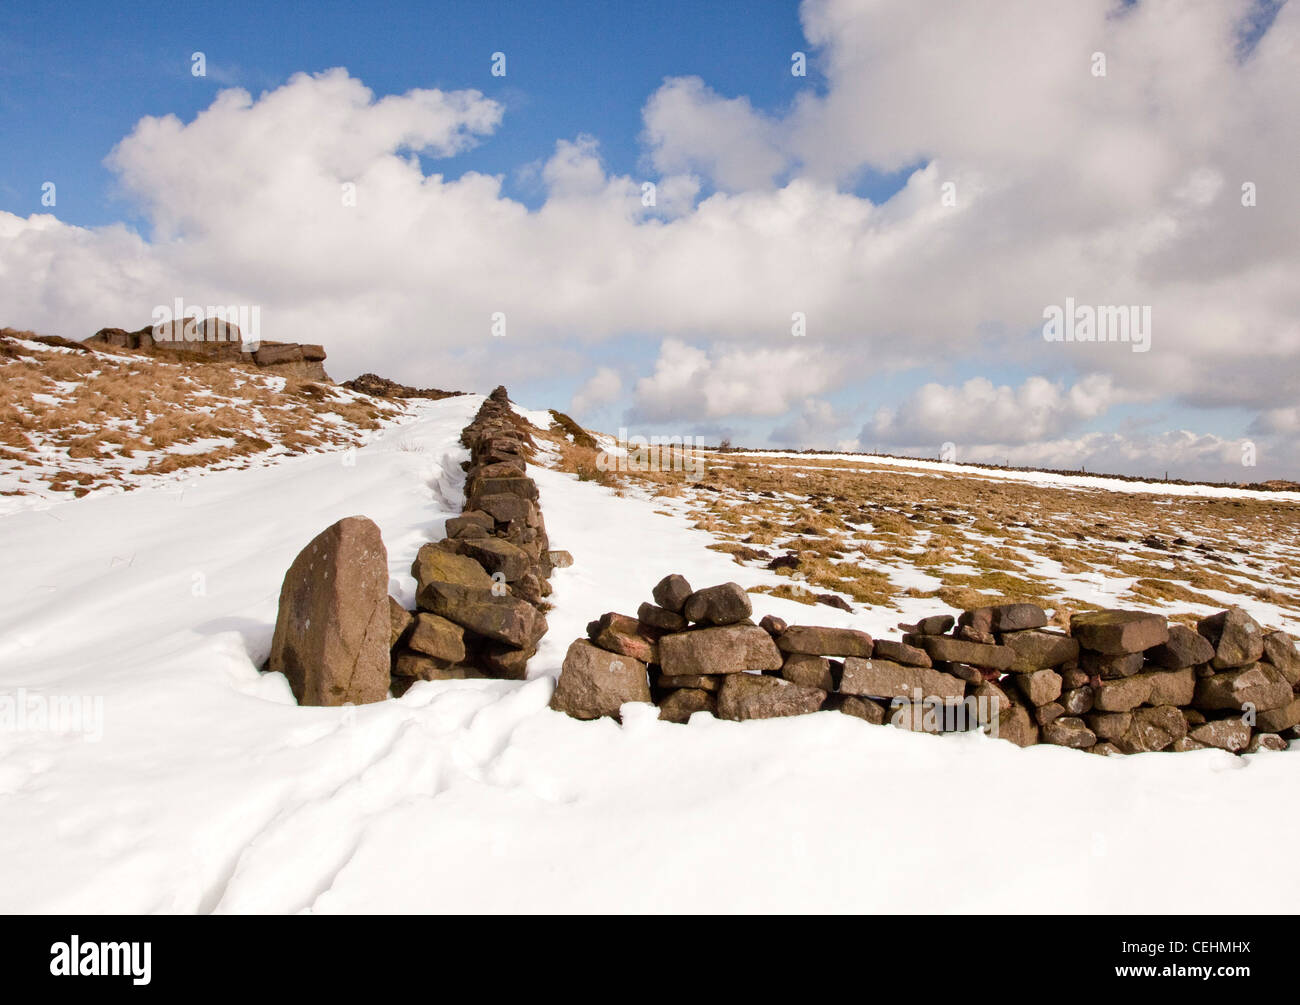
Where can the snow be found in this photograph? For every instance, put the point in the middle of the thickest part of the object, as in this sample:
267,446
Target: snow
1035,477
210,790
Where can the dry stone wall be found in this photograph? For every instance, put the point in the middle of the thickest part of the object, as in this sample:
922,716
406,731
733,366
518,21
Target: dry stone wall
480,592
1118,682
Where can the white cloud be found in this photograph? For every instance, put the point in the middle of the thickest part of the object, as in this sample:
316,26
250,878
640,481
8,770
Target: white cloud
602,388
689,384
1123,190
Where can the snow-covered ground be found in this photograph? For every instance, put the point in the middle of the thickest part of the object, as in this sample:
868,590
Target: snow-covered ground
203,787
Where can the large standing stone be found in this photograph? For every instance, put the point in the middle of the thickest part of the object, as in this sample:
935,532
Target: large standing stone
814,641
595,683
1116,632
334,623
756,696
672,592
718,605
1040,650
1185,648
1237,638
1260,685
724,650
885,679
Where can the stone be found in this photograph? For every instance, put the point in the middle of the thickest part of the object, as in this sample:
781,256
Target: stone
505,662
962,671
950,650
1117,632
757,696
400,622
501,618
1122,695
671,593
1260,684
969,633
437,637
471,518
1275,720
1185,648
559,559
727,649
1034,649
1072,676
1265,741
497,555
1111,667
1280,650
990,701
618,633
814,641
699,682
917,716
1153,729
505,508
1185,743
1227,734
938,624
1107,749
1109,725
861,708
810,671
334,624
1039,687
1069,731
1043,714
900,652
271,354
725,604
1017,617
978,619
685,702
595,683
415,666
660,618
434,563
886,679
1077,701
1015,726
773,625
514,485
1171,687
1237,638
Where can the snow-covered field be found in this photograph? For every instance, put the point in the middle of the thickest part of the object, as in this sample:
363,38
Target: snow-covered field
205,788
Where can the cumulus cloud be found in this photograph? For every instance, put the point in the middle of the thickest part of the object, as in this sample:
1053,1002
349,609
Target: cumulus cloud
603,387
979,411
690,384
814,426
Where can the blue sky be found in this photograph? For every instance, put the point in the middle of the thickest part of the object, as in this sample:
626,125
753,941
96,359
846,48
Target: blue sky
933,316
76,77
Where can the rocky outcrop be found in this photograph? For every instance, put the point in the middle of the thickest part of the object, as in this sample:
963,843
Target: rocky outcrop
381,387
216,341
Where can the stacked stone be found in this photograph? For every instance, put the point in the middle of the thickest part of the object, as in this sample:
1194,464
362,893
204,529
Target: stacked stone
1117,682
480,591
